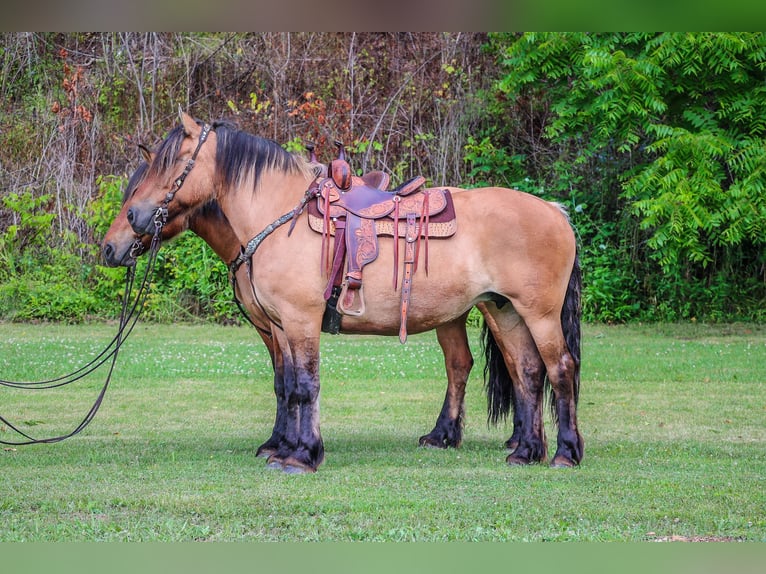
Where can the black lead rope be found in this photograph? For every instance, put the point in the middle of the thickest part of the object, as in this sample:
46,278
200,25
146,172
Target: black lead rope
88,368
129,315
128,318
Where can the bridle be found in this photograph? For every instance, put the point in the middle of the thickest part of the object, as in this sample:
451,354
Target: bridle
161,215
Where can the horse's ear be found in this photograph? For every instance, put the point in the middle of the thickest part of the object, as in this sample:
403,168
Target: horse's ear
145,153
191,127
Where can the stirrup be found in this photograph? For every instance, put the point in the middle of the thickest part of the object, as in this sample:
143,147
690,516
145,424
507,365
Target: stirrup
351,301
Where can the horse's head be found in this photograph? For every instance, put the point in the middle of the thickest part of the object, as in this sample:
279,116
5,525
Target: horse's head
178,180
121,244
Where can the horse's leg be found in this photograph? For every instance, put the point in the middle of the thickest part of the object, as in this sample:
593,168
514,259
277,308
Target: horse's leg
277,434
287,417
562,373
458,360
524,380
510,369
302,449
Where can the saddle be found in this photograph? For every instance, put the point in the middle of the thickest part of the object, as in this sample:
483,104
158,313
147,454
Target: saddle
355,211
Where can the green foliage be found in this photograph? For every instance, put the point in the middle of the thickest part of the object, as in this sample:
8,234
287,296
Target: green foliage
656,142
490,164
190,282
662,135
64,282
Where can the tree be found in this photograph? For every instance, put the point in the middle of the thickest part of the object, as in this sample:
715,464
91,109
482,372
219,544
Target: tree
663,131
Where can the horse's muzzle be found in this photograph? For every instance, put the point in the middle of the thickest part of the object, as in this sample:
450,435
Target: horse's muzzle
114,256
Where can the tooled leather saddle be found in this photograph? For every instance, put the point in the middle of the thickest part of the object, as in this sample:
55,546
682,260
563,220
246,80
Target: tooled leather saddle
355,211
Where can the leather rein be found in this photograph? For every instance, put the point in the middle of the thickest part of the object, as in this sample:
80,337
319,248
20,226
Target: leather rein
129,315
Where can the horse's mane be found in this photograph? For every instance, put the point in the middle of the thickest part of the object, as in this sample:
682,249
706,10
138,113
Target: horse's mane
245,157
241,156
135,180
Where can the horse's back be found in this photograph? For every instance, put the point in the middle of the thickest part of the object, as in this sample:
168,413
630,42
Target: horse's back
525,227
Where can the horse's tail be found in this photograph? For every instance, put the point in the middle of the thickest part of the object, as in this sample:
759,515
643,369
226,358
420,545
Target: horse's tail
497,380
571,313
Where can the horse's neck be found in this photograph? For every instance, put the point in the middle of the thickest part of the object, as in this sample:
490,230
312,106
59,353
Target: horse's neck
216,231
249,212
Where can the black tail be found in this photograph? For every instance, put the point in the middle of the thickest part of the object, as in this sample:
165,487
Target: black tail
571,313
497,380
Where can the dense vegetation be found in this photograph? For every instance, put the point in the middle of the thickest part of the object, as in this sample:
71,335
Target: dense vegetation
655,142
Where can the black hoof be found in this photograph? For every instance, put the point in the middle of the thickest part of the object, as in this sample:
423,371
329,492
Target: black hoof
429,441
560,461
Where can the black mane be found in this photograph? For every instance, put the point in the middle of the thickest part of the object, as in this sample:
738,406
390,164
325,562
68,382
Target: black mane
239,154
242,155
135,180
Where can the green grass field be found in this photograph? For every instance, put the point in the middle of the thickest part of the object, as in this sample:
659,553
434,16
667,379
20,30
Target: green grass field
674,420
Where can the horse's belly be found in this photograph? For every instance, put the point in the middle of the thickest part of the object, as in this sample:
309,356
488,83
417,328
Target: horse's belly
434,299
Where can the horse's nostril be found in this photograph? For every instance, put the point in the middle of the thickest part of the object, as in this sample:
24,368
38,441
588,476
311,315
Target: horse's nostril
108,253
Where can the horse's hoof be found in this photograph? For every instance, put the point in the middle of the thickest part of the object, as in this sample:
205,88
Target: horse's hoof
290,469
514,460
275,462
294,466
430,442
560,461
265,452
511,444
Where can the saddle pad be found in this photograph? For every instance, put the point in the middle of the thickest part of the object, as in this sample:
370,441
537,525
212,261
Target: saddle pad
442,224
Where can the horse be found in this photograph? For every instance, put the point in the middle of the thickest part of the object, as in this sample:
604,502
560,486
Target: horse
513,252
121,247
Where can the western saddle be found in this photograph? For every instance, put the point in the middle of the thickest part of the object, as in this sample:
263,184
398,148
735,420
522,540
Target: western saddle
356,211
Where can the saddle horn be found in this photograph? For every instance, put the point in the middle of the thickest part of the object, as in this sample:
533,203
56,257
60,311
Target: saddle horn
341,149
340,170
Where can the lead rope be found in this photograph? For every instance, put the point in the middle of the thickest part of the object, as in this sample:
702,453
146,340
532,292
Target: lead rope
129,315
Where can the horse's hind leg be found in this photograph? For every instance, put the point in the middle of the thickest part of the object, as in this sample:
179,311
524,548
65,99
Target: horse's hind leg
501,367
523,380
563,373
448,431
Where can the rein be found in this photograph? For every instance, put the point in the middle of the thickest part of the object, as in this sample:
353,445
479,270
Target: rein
129,315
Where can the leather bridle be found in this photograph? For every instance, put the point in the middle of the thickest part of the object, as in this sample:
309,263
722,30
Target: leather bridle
161,215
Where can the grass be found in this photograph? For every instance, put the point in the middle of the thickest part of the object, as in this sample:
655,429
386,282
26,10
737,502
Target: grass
673,419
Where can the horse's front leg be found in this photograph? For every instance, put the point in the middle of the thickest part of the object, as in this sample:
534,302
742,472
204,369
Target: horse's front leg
301,449
271,445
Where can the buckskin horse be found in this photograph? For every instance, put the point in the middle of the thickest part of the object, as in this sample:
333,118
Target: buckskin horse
121,247
512,251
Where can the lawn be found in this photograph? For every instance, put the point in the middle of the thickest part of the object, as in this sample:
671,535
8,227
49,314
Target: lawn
673,418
